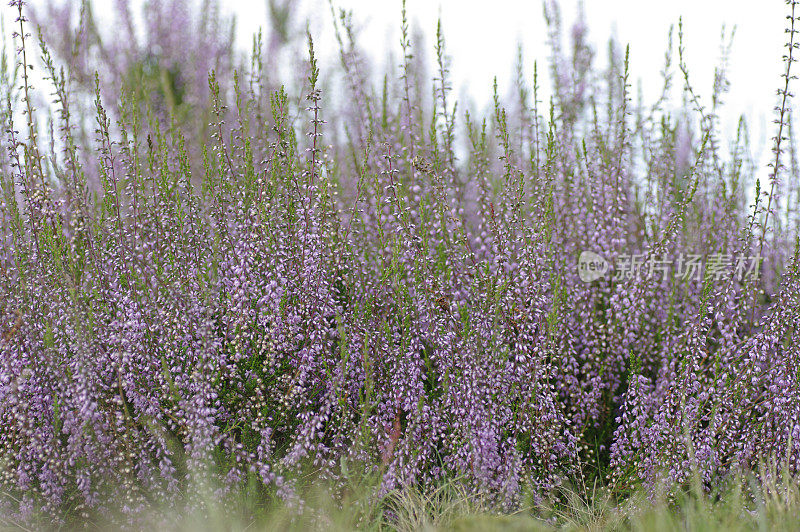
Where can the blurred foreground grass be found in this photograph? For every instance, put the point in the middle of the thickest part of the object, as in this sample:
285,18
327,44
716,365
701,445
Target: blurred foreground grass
767,503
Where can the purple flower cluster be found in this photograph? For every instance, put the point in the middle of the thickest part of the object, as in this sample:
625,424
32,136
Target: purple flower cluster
396,290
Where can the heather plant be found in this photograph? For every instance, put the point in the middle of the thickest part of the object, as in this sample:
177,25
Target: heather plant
167,63
217,284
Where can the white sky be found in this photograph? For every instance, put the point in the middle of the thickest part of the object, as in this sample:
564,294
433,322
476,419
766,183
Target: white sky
481,38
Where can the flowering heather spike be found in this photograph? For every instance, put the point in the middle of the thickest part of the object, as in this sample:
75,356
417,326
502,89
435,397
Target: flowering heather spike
203,294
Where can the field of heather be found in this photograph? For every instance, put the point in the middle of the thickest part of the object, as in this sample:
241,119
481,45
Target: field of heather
242,292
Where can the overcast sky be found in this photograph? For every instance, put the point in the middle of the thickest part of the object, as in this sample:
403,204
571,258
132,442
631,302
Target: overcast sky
482,37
